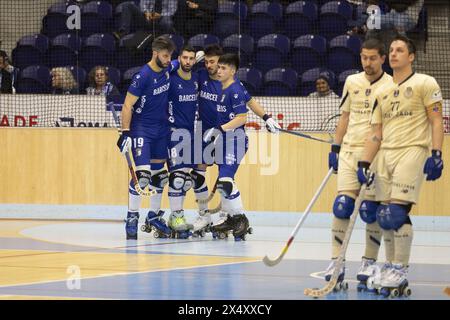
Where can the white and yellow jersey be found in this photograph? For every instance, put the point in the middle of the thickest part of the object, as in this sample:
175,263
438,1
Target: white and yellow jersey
402,110
357,95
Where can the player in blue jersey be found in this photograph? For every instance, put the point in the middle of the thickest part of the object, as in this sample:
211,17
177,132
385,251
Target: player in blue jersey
231,144
145,131
183,97
210,92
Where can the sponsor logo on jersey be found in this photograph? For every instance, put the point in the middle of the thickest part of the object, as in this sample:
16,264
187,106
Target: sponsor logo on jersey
138,152
236,96
408,93
161,89
180,86
187,97
231,116
209,96
437,95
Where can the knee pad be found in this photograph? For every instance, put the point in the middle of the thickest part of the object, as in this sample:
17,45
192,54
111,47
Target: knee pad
187,183
144,177
368,211
177,179
198,179
343,206
160,178
225,186
393,216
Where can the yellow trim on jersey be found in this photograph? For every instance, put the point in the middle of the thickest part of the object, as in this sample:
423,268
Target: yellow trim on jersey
179,71
240,115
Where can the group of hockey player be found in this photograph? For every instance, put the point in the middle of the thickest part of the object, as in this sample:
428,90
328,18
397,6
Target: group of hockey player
383,135
167,107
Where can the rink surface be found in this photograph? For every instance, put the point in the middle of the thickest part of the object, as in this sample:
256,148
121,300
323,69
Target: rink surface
92,260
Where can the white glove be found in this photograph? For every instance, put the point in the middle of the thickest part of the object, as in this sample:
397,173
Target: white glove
271,125
199,56
124,143
212,134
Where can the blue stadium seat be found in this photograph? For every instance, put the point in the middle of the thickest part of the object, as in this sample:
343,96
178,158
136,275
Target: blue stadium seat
263,18
200,41
98,50
251,78
334,17
308,52
308,80
127,77
272,51
280,82
118,13
80,75
299,18
240,43
54,22
178,41
230,16
96,17
114,75
341,79
64,50
30,50
127,58
34,79
343,53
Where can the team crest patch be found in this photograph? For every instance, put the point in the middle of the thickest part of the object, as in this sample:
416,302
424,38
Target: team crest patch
356,92
408,93
385,97
396,93
236,96
167,75
368,91
196,85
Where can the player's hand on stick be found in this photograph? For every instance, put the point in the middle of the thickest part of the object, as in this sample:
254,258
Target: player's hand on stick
434,166
365,176
124,141
271,125
333,157
212,134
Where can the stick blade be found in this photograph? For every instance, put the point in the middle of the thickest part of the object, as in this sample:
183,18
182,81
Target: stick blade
270,263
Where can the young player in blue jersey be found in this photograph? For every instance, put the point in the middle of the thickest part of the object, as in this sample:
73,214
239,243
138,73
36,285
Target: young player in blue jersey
231,144
145,130
210,92
183,96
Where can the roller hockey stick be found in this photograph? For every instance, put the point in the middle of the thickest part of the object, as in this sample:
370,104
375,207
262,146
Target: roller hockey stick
137,187
269,262
210,196
295,133
340,260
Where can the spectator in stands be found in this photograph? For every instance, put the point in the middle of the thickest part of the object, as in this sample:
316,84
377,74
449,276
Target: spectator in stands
323,89
7,74
152,15
63,81
195,16
99,84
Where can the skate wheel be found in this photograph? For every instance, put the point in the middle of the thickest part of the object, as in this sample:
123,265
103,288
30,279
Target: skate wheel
250,230
407,292
222,235
156,235
395,293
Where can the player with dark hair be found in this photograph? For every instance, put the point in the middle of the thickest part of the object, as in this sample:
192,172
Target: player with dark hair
145,131
406,121
351,131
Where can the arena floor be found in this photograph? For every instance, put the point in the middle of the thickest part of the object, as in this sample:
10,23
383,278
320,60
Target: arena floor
39,260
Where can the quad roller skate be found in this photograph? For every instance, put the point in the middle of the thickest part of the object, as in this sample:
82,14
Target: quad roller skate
365,271
177,223
131,225
237,224
202,224
154,222
395,284
373,282
340,284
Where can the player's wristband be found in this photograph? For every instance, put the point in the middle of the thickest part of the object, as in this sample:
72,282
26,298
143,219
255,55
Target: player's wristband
265,117
363,164
336,148
436,153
